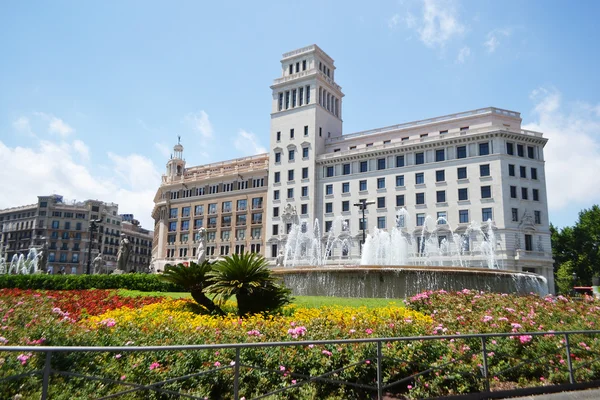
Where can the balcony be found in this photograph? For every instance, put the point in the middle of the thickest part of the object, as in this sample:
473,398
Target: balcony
256,221
211,226
242,209
532,255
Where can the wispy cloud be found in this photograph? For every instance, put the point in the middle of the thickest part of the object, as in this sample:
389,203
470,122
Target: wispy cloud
82,149
393,21
439,23
163,149
55,124
22,124
573,151
493,39
200,123
463,54
247,143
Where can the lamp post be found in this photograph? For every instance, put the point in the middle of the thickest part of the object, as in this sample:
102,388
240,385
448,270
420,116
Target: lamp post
574,280
93,227
362,205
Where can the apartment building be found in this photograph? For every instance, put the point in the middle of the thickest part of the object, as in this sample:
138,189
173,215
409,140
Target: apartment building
225,198
141,244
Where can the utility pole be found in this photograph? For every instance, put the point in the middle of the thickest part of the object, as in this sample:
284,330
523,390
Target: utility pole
362,205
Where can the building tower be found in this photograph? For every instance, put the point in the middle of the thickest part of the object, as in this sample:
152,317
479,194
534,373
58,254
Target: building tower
176,164
306,111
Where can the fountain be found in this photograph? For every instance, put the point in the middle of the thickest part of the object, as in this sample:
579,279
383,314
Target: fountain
21,263
398,263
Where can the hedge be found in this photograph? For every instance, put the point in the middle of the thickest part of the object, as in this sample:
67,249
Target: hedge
143,282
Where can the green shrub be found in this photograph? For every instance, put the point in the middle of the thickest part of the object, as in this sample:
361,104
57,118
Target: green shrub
142,282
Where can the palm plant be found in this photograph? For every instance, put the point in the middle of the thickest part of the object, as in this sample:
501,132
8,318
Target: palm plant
249,279
195,279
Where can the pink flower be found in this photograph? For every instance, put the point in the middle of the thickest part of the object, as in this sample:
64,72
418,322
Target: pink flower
351,331
327,353
123,377
154,365
367,361
525,339
281,368
310,346
217,364
108,322
23,358
232,363
254,332
487,318
297,331
3,340
293,381
409,387
368,331
117,356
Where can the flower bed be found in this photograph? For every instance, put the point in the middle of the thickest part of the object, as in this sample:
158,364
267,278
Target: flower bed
29,316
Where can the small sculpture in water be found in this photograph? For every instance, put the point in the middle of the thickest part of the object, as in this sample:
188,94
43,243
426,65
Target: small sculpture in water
201,246
123,254
280,259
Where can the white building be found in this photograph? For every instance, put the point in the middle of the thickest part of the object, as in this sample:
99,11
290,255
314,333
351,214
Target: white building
464,167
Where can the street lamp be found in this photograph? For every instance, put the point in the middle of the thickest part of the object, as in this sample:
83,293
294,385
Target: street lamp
362,205
93,227
574,280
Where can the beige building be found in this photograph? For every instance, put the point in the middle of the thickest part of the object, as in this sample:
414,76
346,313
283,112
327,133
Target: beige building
226,198
141,245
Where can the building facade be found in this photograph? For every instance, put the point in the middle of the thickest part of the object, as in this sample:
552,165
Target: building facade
141,244
62,229
227,199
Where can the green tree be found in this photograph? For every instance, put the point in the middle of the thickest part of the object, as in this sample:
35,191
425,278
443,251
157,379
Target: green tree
193,278
249,279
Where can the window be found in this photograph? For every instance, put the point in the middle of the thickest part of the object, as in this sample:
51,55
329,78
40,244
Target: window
380,163
461,172
198,223
380,183
534,173
304,209
68,224
464,129
172,226
329,171
399,161
486,192
510,149
463,216
515,214
275,230
442,217
537,216
257,203
278,157
226,206
484,170
304,191
257,218
381,202
380,222
362,185
440,175
484,149
399,180
292,132
400,200
441,196
328,225
513,192
291,155
185,225
420,198
278,136
486,214
440,155
463,194
303,65
172,213
306,126
419,178
511,170
528,243
530,152
345,205
443,132
290,175
461,152
328,208
305,152
305,173
520,150
420,219
523,172
364,166
524,194
300,96
345,187
535,194
277,177
329,189
419,158
55,224
275,212
290,193
369,145
276,195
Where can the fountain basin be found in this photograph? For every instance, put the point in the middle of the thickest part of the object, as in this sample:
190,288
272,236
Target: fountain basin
396,282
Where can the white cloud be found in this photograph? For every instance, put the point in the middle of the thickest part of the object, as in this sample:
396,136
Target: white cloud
47,167
163,149
247,143
22,124
439,23
56,125
463,54
572,153
199,122
493,39
393,21
82,149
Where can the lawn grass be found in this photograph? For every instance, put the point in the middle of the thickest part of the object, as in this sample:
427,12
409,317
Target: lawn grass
300,301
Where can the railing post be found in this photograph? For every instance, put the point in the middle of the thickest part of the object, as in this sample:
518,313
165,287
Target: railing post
236,375
569,361
46,376
379,373
485,364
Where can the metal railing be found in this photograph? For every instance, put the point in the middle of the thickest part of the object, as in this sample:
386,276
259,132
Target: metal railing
484,373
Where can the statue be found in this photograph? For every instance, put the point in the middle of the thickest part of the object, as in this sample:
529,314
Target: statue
43,257
201,252
279,260
98,264
123,254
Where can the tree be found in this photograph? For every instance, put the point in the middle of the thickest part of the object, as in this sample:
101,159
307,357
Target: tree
195,279
249,279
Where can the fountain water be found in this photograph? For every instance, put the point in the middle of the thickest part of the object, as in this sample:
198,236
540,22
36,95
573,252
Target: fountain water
21,264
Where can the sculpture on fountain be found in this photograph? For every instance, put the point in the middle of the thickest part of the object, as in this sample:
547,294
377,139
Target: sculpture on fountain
43,258
98,263
123,254
280,259
201,251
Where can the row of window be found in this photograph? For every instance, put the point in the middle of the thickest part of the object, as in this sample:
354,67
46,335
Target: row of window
329,102
226,220
522,172
62,257
211,236
217,188
66,225
226,207
291,155
210,250
510,149
293,98
66,235
291,67
535,193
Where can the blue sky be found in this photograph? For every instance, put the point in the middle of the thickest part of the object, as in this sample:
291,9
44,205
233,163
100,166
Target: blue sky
94,94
